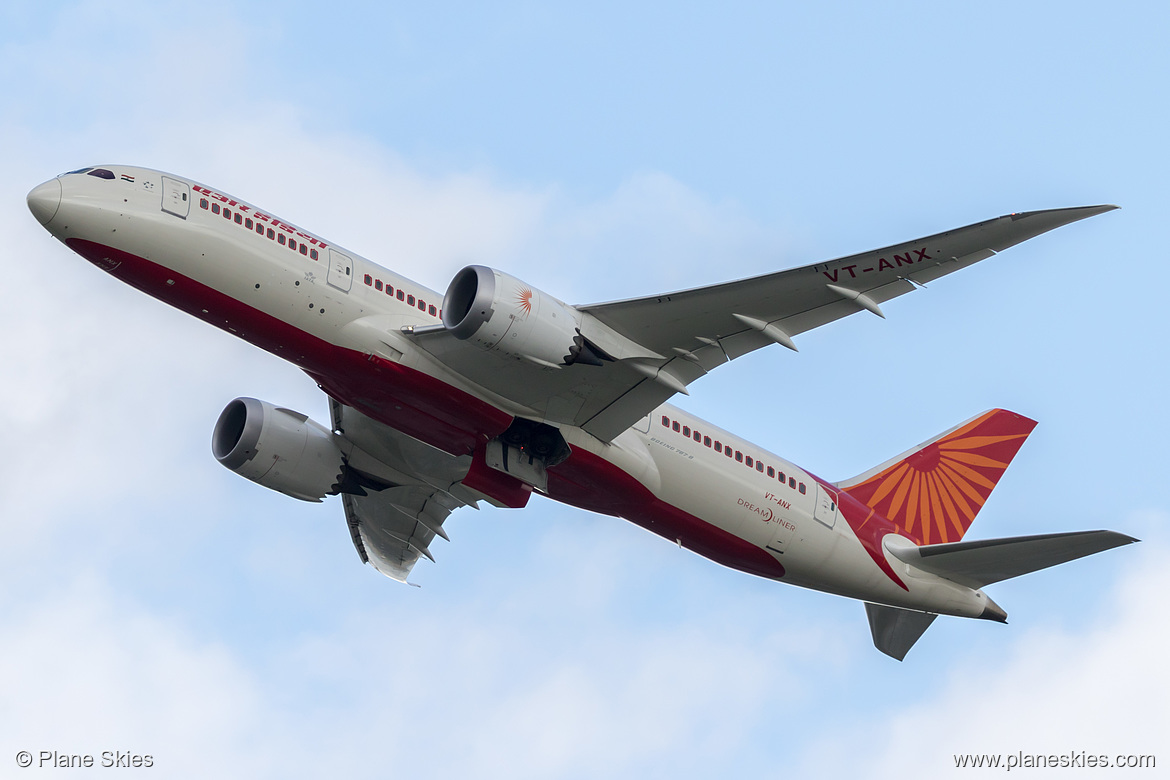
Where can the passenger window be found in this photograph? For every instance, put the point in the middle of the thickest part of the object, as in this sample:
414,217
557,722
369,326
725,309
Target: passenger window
665,421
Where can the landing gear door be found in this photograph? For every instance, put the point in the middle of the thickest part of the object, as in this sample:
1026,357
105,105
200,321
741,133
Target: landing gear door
826,508
176,197
340,271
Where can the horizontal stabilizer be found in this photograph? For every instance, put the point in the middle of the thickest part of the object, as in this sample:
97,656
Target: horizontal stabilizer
896,630
980,563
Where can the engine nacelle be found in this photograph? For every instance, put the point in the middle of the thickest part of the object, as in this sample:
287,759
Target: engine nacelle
498,312
279,449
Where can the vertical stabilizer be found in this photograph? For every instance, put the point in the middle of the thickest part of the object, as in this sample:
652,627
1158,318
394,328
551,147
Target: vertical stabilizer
933,492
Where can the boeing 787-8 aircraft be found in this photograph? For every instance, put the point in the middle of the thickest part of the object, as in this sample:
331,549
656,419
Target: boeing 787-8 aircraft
495,390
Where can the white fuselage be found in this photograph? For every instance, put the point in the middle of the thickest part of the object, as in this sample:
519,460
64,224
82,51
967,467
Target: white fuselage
323,308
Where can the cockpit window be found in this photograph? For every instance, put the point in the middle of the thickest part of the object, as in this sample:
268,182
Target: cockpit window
79,170
101,173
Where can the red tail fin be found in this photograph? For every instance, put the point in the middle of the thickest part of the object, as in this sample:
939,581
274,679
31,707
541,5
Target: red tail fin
933,492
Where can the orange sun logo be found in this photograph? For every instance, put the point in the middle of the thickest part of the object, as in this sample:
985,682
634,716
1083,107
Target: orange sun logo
935,493
524,300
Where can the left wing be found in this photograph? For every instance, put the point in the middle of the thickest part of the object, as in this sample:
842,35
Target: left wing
393,528
683,335
410,489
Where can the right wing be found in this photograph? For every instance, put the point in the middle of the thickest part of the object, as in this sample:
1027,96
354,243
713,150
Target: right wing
683,335
751,313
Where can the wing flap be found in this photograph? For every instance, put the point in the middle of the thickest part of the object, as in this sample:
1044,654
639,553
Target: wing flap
608,423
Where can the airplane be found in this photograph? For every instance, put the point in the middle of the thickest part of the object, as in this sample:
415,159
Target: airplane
496,390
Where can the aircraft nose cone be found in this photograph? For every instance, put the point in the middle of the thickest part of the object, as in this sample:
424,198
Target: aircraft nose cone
44,201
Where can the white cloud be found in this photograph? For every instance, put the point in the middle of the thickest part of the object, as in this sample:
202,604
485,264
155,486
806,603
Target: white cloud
662,234
474,689
85,672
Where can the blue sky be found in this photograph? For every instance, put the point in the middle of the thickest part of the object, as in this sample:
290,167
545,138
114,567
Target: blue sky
151,601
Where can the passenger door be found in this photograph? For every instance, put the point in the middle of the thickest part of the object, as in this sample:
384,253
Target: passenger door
340,271
176,197
826,507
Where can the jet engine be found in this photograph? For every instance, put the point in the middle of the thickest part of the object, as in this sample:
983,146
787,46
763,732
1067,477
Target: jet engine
498,312
280,449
